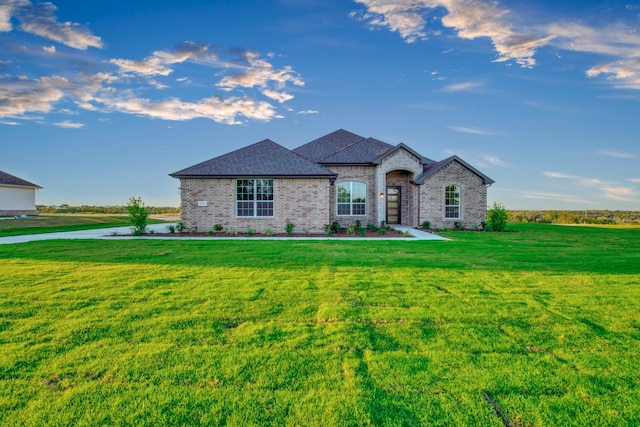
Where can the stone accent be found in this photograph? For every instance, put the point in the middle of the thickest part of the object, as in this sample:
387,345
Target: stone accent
366,174
400,160
303,202
408,195
473,197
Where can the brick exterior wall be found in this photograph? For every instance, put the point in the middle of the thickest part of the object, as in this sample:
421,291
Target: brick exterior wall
303,202
365,174
473,197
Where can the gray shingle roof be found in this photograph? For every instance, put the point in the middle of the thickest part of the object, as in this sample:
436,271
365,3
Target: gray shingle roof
328,145
433,167
8,179
362,151
262,159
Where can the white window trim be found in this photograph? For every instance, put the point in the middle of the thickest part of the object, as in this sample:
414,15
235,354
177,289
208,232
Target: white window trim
459,205
255,202
351,202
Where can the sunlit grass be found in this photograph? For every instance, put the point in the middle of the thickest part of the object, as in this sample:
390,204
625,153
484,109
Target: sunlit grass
542,324
59,223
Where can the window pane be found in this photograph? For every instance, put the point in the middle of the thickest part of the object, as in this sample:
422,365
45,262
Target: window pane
265,209
245,208
358,209
452,202
344,193
343,209
351,198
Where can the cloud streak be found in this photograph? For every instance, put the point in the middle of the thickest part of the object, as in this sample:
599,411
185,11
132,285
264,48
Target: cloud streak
474,19
470,19
39,19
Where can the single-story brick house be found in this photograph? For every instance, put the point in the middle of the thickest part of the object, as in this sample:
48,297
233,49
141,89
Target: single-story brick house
340,177
17,196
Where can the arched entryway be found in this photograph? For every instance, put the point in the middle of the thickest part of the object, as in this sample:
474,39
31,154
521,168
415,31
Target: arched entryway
399,197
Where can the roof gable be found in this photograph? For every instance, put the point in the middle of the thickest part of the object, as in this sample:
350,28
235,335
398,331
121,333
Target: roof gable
8,179
264,159
398,147
433,167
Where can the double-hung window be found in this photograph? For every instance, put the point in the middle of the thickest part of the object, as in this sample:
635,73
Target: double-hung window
352,198
452,202
254,197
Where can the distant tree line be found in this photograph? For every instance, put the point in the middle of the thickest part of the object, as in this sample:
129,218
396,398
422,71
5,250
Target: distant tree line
575,217
111,210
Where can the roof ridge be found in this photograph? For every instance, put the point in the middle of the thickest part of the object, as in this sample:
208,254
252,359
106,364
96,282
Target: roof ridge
343,148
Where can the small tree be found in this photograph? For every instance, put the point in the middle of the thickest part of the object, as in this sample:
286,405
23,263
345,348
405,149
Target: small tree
497,217
138,215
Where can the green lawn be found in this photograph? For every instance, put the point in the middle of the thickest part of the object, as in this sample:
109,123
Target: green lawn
58,223
536,327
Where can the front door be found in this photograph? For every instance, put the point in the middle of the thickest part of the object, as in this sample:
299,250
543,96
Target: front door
393,205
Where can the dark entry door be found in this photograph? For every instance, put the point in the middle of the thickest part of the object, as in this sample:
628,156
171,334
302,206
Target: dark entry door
393,205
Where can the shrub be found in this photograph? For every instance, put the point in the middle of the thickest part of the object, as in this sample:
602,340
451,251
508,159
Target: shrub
497,217
372,227
382,231
458,225
268,232
363,231
351,230
328,229
335,226
217,227
138,215
425,225
211,232
180,227
171,228
232,232
251,232
289,228
483,225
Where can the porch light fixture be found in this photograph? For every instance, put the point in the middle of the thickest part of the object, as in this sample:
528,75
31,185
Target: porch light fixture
381,195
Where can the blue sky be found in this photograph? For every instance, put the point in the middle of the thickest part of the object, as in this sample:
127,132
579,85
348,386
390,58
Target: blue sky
100,101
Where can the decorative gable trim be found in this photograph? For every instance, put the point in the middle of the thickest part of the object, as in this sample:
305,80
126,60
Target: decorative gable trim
378,160
435,167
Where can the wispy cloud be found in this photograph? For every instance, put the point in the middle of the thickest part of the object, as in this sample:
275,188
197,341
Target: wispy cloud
617,154
558,197
305,112
471,19
512,41
560,175
609,191
495,161
67,124
261,74
463,87
117,85
159,63
473,131
39,19
637,180
622,194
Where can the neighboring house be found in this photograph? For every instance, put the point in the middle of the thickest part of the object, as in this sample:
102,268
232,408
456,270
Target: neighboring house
17,196
339,177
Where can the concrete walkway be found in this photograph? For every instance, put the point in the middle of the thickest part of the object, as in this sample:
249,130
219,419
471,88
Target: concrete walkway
112,234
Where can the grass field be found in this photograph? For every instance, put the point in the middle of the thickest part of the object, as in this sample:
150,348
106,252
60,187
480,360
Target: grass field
536,327
59,223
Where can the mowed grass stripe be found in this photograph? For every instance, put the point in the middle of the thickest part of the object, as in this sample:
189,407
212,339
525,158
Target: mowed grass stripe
333,333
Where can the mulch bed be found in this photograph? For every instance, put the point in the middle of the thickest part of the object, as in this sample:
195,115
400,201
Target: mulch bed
342,233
